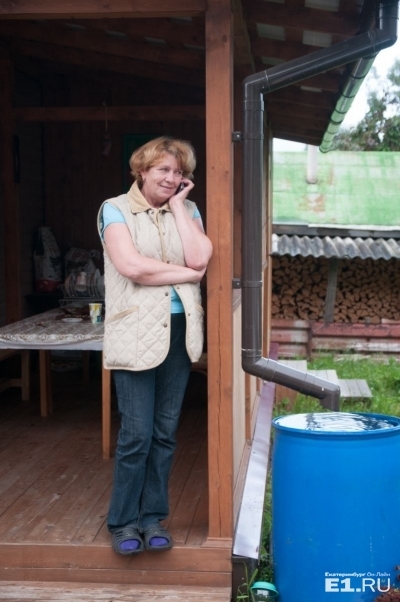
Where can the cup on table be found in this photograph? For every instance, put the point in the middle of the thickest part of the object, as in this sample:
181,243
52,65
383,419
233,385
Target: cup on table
95,312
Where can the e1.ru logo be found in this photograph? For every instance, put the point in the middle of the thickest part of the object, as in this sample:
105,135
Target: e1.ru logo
356,582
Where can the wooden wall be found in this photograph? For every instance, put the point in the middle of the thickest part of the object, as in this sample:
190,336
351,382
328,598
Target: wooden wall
78,177
28,157
64,177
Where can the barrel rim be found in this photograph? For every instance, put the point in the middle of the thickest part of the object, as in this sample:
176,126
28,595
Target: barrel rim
383,432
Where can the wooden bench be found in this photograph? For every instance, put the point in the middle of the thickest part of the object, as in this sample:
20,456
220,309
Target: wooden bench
24,380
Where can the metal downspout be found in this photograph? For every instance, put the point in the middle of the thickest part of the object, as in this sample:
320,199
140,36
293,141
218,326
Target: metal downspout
254,87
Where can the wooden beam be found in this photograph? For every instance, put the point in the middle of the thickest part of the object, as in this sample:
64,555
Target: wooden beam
131,113
219,121
285,50
281,110
242,47
300,138
331,289
100,42
329,82
175,33
103,62
290,122
323,99
301,17
93,9
9,196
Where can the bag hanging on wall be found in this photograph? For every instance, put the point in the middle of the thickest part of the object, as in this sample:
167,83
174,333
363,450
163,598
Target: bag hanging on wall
47,262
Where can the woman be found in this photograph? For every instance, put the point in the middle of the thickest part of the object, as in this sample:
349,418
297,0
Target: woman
155,254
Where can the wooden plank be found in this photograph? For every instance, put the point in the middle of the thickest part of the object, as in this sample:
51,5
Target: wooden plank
296,364
99,41
104,62
354,388
96,558
181,520
300,17
131,113
9,195
329,375
46,398
123,576
331,290
383,331
73,592
219,121
365,391
174,32
106,411
344,388
356,344
117,9
282,392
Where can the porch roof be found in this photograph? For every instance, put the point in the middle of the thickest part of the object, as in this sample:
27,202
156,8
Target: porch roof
148,42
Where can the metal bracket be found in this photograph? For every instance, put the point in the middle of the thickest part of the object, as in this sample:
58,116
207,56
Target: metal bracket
236,283
236,136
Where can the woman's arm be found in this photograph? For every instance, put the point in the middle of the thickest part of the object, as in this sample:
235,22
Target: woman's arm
197,246
143,270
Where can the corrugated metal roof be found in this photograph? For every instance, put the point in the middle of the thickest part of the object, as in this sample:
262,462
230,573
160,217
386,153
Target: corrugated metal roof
345,248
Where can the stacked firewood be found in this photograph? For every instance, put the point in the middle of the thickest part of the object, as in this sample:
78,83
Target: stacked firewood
367,291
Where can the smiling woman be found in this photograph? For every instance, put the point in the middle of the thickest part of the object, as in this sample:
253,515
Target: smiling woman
155,254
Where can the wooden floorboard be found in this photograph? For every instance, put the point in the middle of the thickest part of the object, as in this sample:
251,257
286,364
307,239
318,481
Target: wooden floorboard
75,592
55,490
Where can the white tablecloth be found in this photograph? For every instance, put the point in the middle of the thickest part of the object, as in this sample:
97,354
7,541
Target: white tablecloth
45,331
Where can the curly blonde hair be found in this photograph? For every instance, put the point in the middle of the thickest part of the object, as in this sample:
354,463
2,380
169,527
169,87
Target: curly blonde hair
152,152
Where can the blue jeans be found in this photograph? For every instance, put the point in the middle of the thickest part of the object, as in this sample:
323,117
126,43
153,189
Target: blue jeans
149,405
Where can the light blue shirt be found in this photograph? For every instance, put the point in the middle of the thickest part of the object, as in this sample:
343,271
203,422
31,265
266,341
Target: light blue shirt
112,215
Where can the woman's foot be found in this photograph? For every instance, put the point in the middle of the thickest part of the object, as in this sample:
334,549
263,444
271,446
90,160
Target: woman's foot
156,538
127,540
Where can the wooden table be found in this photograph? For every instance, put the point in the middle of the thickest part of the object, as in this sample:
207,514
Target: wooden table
47,333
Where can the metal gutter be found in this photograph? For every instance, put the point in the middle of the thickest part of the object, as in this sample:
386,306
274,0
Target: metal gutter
254,88
357,72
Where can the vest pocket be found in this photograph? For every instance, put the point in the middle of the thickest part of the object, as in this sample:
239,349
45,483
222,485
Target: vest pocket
121,314
121,339
199,308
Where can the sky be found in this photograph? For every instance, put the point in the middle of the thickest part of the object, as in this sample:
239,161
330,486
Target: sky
382,63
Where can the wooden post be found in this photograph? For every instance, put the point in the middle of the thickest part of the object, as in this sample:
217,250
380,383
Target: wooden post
268,239
331,289
106,411
9,197
219,125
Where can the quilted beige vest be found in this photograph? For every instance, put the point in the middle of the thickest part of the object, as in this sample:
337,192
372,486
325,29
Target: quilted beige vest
138,317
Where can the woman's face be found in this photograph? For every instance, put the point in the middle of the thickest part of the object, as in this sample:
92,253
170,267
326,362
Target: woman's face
161,180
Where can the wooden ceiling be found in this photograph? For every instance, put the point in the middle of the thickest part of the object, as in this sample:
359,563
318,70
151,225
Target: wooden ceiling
102,38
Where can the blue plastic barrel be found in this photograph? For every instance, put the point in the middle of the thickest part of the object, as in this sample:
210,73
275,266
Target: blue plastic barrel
335,506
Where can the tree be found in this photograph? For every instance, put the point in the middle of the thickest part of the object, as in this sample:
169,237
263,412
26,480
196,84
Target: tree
379,130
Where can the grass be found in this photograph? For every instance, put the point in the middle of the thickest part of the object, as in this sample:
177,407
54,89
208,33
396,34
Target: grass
381,374
383,378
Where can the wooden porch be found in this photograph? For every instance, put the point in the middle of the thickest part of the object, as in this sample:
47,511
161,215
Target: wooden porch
55,488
